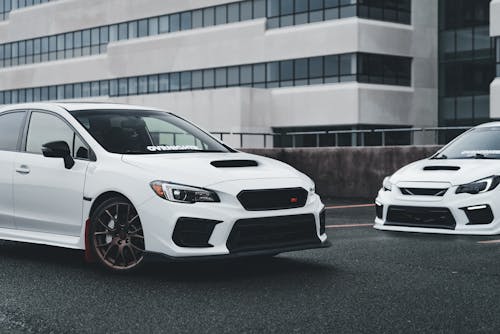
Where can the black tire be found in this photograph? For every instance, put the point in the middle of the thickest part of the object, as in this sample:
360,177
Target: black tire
116,237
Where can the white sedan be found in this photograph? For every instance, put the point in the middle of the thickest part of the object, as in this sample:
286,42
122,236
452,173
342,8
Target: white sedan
124,182
454,192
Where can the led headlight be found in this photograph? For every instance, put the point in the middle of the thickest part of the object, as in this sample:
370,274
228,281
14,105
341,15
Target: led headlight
183,194
479,186
387,185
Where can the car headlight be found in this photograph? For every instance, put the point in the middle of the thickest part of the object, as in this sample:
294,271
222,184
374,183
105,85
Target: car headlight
183,194
479,186
387,185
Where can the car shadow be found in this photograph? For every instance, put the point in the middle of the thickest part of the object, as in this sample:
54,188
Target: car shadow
200,271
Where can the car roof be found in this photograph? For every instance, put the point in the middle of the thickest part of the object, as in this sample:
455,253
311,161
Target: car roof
489,125
73,106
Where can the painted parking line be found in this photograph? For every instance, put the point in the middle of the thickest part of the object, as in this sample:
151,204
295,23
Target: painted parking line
336,207
489,242
348,225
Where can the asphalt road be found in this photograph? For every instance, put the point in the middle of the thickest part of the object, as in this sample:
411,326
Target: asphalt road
367,282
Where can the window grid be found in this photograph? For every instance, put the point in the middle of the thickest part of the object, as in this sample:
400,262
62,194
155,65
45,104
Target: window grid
6,6
351,67
279,13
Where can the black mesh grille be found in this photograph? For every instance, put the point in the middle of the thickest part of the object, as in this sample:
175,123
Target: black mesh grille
193,232
273,199
272,233
420,217
423,191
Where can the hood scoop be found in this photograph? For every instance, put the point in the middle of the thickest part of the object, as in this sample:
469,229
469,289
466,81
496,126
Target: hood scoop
234,163
449,168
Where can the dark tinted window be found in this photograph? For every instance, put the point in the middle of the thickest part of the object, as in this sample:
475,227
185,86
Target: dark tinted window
145,132
10,128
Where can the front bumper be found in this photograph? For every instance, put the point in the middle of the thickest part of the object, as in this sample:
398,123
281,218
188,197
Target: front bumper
159,219
451,209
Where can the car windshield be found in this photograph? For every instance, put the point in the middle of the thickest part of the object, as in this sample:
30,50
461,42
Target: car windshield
479,143
145,132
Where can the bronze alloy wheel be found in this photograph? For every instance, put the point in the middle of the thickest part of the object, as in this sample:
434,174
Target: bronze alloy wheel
116,235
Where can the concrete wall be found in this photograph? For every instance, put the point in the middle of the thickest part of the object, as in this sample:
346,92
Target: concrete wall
348,172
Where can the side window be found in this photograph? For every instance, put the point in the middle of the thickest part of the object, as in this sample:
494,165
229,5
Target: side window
45,128
10,128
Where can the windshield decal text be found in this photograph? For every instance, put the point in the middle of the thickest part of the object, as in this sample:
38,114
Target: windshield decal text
160,148
482,152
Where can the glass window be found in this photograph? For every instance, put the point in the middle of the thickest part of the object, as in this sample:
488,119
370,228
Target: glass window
220,77
143,28
259,73
301,69
286,70
153,84
233,76
186,80
259,8
246,10
45,128
197,79
273,8
186,21
132,29
122,31
174,82
164,24
132,86
164,84
141,132
197,19
208,17
153,26
104,35
273,70
286,7
143,85
113,33
113,87
175,22
220,15
86,38
10,129
246,74
332,65
208,78
233,12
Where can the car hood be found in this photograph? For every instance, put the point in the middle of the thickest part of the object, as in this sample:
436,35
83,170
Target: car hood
196,169
453,171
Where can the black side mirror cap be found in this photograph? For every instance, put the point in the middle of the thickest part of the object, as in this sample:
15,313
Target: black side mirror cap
59,149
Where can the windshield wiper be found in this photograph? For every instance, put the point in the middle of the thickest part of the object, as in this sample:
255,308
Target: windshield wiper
441,157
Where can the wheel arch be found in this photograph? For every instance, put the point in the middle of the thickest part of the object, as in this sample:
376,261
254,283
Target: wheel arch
104,197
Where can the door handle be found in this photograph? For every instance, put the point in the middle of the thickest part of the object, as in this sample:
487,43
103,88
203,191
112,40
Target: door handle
23,169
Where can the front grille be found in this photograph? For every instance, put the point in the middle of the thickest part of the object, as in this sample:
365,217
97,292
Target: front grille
420,217
423,191
193,232
272,233
273,199
479,215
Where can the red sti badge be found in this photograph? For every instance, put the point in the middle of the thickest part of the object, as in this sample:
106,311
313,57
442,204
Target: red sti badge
294,200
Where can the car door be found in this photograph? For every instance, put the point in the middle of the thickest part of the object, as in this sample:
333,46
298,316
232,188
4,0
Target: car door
47,196
11,125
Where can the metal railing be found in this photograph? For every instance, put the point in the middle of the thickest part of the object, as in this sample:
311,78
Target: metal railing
358,137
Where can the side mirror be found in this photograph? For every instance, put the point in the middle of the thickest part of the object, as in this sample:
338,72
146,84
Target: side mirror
59,149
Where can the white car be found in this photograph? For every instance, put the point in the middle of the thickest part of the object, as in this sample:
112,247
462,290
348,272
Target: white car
124,182
454,192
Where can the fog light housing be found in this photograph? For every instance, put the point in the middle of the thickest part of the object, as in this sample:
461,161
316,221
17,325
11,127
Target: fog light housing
479,214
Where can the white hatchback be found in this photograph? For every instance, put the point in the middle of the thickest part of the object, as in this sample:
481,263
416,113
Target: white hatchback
124,182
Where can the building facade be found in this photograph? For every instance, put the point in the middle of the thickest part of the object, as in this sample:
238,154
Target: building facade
257,65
